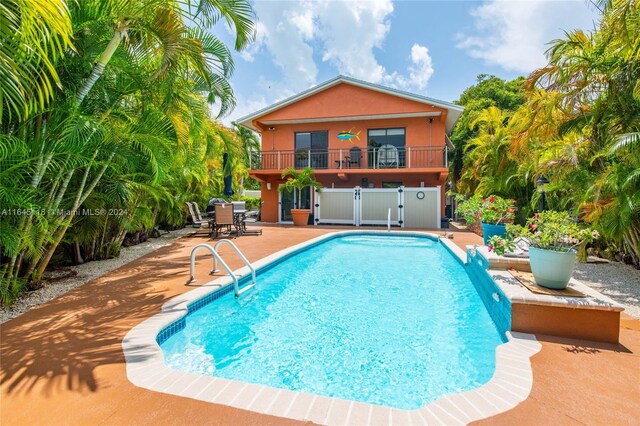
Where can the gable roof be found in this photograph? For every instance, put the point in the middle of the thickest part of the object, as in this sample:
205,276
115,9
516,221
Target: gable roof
453,114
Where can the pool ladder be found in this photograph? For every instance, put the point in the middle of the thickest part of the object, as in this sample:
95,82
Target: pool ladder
217,258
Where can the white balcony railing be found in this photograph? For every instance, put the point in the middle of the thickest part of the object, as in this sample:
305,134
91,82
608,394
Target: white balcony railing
354,158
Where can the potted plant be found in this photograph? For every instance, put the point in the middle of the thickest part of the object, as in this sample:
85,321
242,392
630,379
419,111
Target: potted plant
553,238
297,181
492,211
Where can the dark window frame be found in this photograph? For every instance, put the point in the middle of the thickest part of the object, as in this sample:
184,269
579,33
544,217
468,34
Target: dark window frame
386,129
392,184
401,148
319,154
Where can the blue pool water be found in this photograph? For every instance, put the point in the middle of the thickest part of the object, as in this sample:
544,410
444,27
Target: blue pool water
385,320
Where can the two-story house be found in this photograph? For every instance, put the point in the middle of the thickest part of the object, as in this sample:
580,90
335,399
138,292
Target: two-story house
356,136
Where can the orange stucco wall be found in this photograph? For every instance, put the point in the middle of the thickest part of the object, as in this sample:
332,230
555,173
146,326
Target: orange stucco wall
345,100
418,132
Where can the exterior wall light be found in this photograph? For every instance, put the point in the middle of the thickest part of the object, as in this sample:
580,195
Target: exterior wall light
541,184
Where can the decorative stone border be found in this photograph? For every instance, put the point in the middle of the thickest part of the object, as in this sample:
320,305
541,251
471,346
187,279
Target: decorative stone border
509,385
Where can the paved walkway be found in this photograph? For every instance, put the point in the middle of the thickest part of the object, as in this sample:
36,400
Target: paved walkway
62,363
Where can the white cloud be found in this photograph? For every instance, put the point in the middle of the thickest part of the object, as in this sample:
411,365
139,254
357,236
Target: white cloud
349,31
304,22
514,34
420,70
345,34
245,107
283,30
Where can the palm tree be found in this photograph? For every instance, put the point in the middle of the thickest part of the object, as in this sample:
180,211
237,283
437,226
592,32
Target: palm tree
596,78
249,139
33,35
141,134
487,163
297,181
149,23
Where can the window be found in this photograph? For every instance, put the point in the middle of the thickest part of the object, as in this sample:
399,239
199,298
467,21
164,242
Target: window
391,184
379,137
386,138
312,148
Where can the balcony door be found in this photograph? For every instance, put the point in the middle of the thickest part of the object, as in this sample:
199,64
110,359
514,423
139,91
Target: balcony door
312,149
386,148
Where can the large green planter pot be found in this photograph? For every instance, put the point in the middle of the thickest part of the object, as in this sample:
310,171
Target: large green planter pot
489,230
552,269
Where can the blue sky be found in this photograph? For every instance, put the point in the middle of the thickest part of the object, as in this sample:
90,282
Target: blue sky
433,48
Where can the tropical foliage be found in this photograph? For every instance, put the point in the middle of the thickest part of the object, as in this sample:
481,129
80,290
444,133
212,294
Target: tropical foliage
552,230
492,209
297,181
487,92
548,230
105,125
579,126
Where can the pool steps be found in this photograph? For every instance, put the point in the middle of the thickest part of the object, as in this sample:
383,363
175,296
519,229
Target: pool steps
217,258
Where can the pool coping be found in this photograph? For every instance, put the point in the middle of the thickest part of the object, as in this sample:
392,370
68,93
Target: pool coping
510,384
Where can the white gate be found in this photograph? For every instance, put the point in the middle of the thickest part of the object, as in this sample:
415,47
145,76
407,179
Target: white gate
336,206
422,207
409,207
375,204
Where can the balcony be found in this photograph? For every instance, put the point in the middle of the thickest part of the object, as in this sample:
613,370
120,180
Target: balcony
385,157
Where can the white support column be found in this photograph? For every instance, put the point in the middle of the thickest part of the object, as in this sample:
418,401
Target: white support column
439,215
401,203
446,156
408,157
309,158
357,204
316,206
340,159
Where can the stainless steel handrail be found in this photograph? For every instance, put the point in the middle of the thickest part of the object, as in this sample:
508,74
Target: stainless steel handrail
217,258
242,256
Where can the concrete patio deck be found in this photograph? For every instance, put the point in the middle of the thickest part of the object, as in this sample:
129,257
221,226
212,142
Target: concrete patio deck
62,363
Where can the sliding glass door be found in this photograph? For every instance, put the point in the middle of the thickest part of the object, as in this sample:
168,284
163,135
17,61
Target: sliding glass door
312,149
288,201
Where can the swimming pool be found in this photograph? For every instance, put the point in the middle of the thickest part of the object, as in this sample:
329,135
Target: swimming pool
381,319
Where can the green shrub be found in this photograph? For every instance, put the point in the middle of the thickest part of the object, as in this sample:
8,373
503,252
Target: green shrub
253,203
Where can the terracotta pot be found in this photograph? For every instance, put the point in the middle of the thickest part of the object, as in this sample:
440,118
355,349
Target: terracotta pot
300,216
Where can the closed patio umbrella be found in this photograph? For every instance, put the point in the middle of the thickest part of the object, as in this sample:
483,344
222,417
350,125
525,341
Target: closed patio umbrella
228,189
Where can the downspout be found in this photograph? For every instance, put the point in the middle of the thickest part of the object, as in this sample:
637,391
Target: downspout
430,140
273,143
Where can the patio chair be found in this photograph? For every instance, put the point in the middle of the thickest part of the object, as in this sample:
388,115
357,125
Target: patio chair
387,156
196,219
239,205
210,207
196,210
224,219
244,218
355,156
